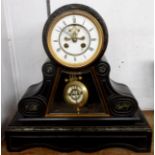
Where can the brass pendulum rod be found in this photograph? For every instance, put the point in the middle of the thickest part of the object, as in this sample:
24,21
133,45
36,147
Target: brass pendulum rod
78,110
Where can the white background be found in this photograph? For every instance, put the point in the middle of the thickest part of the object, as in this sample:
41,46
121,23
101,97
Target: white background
129,52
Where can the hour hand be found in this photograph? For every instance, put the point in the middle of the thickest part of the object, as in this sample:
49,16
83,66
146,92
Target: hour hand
67,39
81,38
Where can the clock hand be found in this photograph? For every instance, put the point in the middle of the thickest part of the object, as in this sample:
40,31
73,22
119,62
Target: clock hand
81,38
74,38
67,39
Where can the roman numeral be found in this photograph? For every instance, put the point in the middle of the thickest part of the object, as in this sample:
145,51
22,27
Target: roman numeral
84,56
74,58
90,48
93,39
90,29
58,49
83,22
59,29
74,19
65,56
64,23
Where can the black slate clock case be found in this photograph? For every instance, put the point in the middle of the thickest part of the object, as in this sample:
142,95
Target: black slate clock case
111,118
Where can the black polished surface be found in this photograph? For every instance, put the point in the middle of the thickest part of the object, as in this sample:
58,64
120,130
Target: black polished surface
110,118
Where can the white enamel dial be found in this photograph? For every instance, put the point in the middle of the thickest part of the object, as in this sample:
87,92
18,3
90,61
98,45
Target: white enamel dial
75,39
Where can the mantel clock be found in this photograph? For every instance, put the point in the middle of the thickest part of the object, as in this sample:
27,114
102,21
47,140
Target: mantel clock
77,106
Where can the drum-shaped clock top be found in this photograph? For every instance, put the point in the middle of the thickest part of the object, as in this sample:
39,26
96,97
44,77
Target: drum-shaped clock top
74,38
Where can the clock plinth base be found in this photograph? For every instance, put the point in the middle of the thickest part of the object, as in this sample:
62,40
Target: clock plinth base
87,135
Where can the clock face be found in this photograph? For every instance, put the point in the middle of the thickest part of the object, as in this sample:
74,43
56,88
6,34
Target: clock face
75,38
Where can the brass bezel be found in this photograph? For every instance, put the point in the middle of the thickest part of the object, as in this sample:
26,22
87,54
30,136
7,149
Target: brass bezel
96,53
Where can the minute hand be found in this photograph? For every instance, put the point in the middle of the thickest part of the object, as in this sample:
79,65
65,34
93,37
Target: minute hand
81,38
